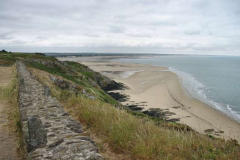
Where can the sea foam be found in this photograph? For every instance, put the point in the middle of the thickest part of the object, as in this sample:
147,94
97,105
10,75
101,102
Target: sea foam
198,90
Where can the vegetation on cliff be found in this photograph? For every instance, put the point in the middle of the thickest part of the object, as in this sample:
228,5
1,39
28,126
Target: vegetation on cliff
92,82
83,94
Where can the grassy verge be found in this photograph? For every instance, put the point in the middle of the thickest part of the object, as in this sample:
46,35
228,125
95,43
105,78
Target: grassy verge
141,138
10,94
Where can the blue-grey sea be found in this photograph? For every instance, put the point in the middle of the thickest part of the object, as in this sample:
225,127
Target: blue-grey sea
212,79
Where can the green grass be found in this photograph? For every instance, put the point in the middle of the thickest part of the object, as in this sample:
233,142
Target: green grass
141,138
72,71
75,76
10,57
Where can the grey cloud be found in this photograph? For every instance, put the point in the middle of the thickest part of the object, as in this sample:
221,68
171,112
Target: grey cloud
117,25
117,29
91,35
196,32
139,35
5,36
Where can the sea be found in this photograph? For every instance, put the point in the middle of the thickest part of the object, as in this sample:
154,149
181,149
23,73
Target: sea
214,80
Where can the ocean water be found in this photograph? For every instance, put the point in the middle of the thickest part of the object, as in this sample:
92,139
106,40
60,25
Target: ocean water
214,80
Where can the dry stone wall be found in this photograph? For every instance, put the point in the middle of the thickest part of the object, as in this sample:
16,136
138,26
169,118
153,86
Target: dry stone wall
49,132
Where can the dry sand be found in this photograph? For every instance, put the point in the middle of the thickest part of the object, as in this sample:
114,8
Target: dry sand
156,87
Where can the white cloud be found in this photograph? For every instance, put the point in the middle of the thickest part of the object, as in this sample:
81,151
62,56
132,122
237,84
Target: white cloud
121,26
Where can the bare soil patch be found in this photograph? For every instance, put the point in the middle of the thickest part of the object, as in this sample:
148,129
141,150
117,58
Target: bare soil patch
8,138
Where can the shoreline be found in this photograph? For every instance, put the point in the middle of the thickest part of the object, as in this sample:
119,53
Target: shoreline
202,96
158,87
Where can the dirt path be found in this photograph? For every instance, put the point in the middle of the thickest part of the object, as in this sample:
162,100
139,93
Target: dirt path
5,76
8,139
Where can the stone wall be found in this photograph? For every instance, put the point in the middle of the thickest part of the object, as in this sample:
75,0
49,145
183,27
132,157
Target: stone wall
48,131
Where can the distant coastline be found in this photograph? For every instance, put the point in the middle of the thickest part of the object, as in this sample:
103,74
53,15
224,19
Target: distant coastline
200,95
166,92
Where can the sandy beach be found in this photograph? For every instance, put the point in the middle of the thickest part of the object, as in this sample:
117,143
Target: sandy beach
157,87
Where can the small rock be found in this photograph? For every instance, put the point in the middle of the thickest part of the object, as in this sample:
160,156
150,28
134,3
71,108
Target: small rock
75,126
209,130
47,91
91,97
37,134
56,143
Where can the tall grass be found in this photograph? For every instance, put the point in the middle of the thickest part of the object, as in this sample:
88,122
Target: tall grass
7,91
141,138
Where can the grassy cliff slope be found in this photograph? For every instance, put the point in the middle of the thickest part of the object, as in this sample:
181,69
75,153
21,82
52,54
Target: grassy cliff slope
83,94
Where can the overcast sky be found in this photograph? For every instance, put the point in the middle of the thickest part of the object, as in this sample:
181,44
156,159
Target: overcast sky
144,26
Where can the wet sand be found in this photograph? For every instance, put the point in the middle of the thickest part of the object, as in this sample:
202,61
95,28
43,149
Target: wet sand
156,87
